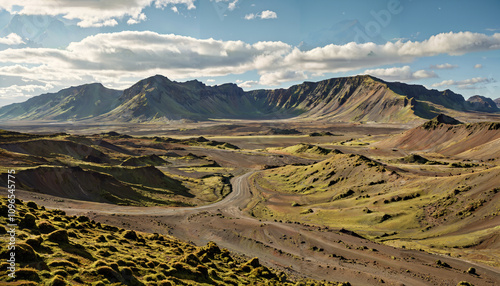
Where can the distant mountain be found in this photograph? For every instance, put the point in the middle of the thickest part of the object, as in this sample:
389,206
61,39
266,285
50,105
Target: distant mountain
364,98
72,103
481,103
158,97
352,99
497,101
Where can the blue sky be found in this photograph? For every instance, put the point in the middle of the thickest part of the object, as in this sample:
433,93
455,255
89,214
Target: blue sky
47,45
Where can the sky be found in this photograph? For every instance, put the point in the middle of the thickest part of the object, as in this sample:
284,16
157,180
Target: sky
48,45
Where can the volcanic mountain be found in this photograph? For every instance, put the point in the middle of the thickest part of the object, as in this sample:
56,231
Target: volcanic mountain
357,98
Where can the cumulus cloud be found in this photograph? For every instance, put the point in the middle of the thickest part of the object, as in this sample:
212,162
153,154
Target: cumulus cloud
22,90
472,83
142,17
341,58
140,54
446,66
250,16
478,66
267,14
275,78
402,73
93,13
122,57
232,5
246,84
12,39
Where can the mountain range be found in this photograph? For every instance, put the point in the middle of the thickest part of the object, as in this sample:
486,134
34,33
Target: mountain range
354,99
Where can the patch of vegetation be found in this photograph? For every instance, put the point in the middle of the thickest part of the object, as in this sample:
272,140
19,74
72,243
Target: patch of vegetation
462,165
147,160
82,251
304,148
198,141
439,121
442,264
322,133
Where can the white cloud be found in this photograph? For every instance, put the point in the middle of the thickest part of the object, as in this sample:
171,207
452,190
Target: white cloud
275,78
478,66
247,84
402,73
174,8
91,13
22,90
12,39
140,54
472,83
164,3
141,17
250,16
267,14
232,5
352,56
119,58
443,66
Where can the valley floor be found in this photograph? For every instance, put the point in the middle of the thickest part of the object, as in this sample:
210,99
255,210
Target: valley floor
338,206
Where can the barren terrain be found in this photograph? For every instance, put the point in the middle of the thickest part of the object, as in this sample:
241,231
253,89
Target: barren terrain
335,202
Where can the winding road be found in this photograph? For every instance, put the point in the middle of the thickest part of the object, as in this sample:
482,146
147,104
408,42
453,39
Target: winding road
298,249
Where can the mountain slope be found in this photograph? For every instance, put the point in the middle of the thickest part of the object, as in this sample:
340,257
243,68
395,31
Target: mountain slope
481,103
72,103
497,101
359,98
449,137
159,98
356,98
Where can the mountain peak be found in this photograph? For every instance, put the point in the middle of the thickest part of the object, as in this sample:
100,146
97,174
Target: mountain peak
361,98
482,103
440,120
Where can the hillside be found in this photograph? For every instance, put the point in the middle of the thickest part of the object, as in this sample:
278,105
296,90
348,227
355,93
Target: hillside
74,103
158,99
360,98
481,103
117,169
449,137
396,204
56,249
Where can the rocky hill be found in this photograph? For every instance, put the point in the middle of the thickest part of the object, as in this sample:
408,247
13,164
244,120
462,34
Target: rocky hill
481,103
57,249
348,99
450,137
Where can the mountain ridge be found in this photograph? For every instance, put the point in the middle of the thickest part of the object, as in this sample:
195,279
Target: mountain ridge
361,98
497,101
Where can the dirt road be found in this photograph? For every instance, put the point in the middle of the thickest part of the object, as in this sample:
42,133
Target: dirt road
300,250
